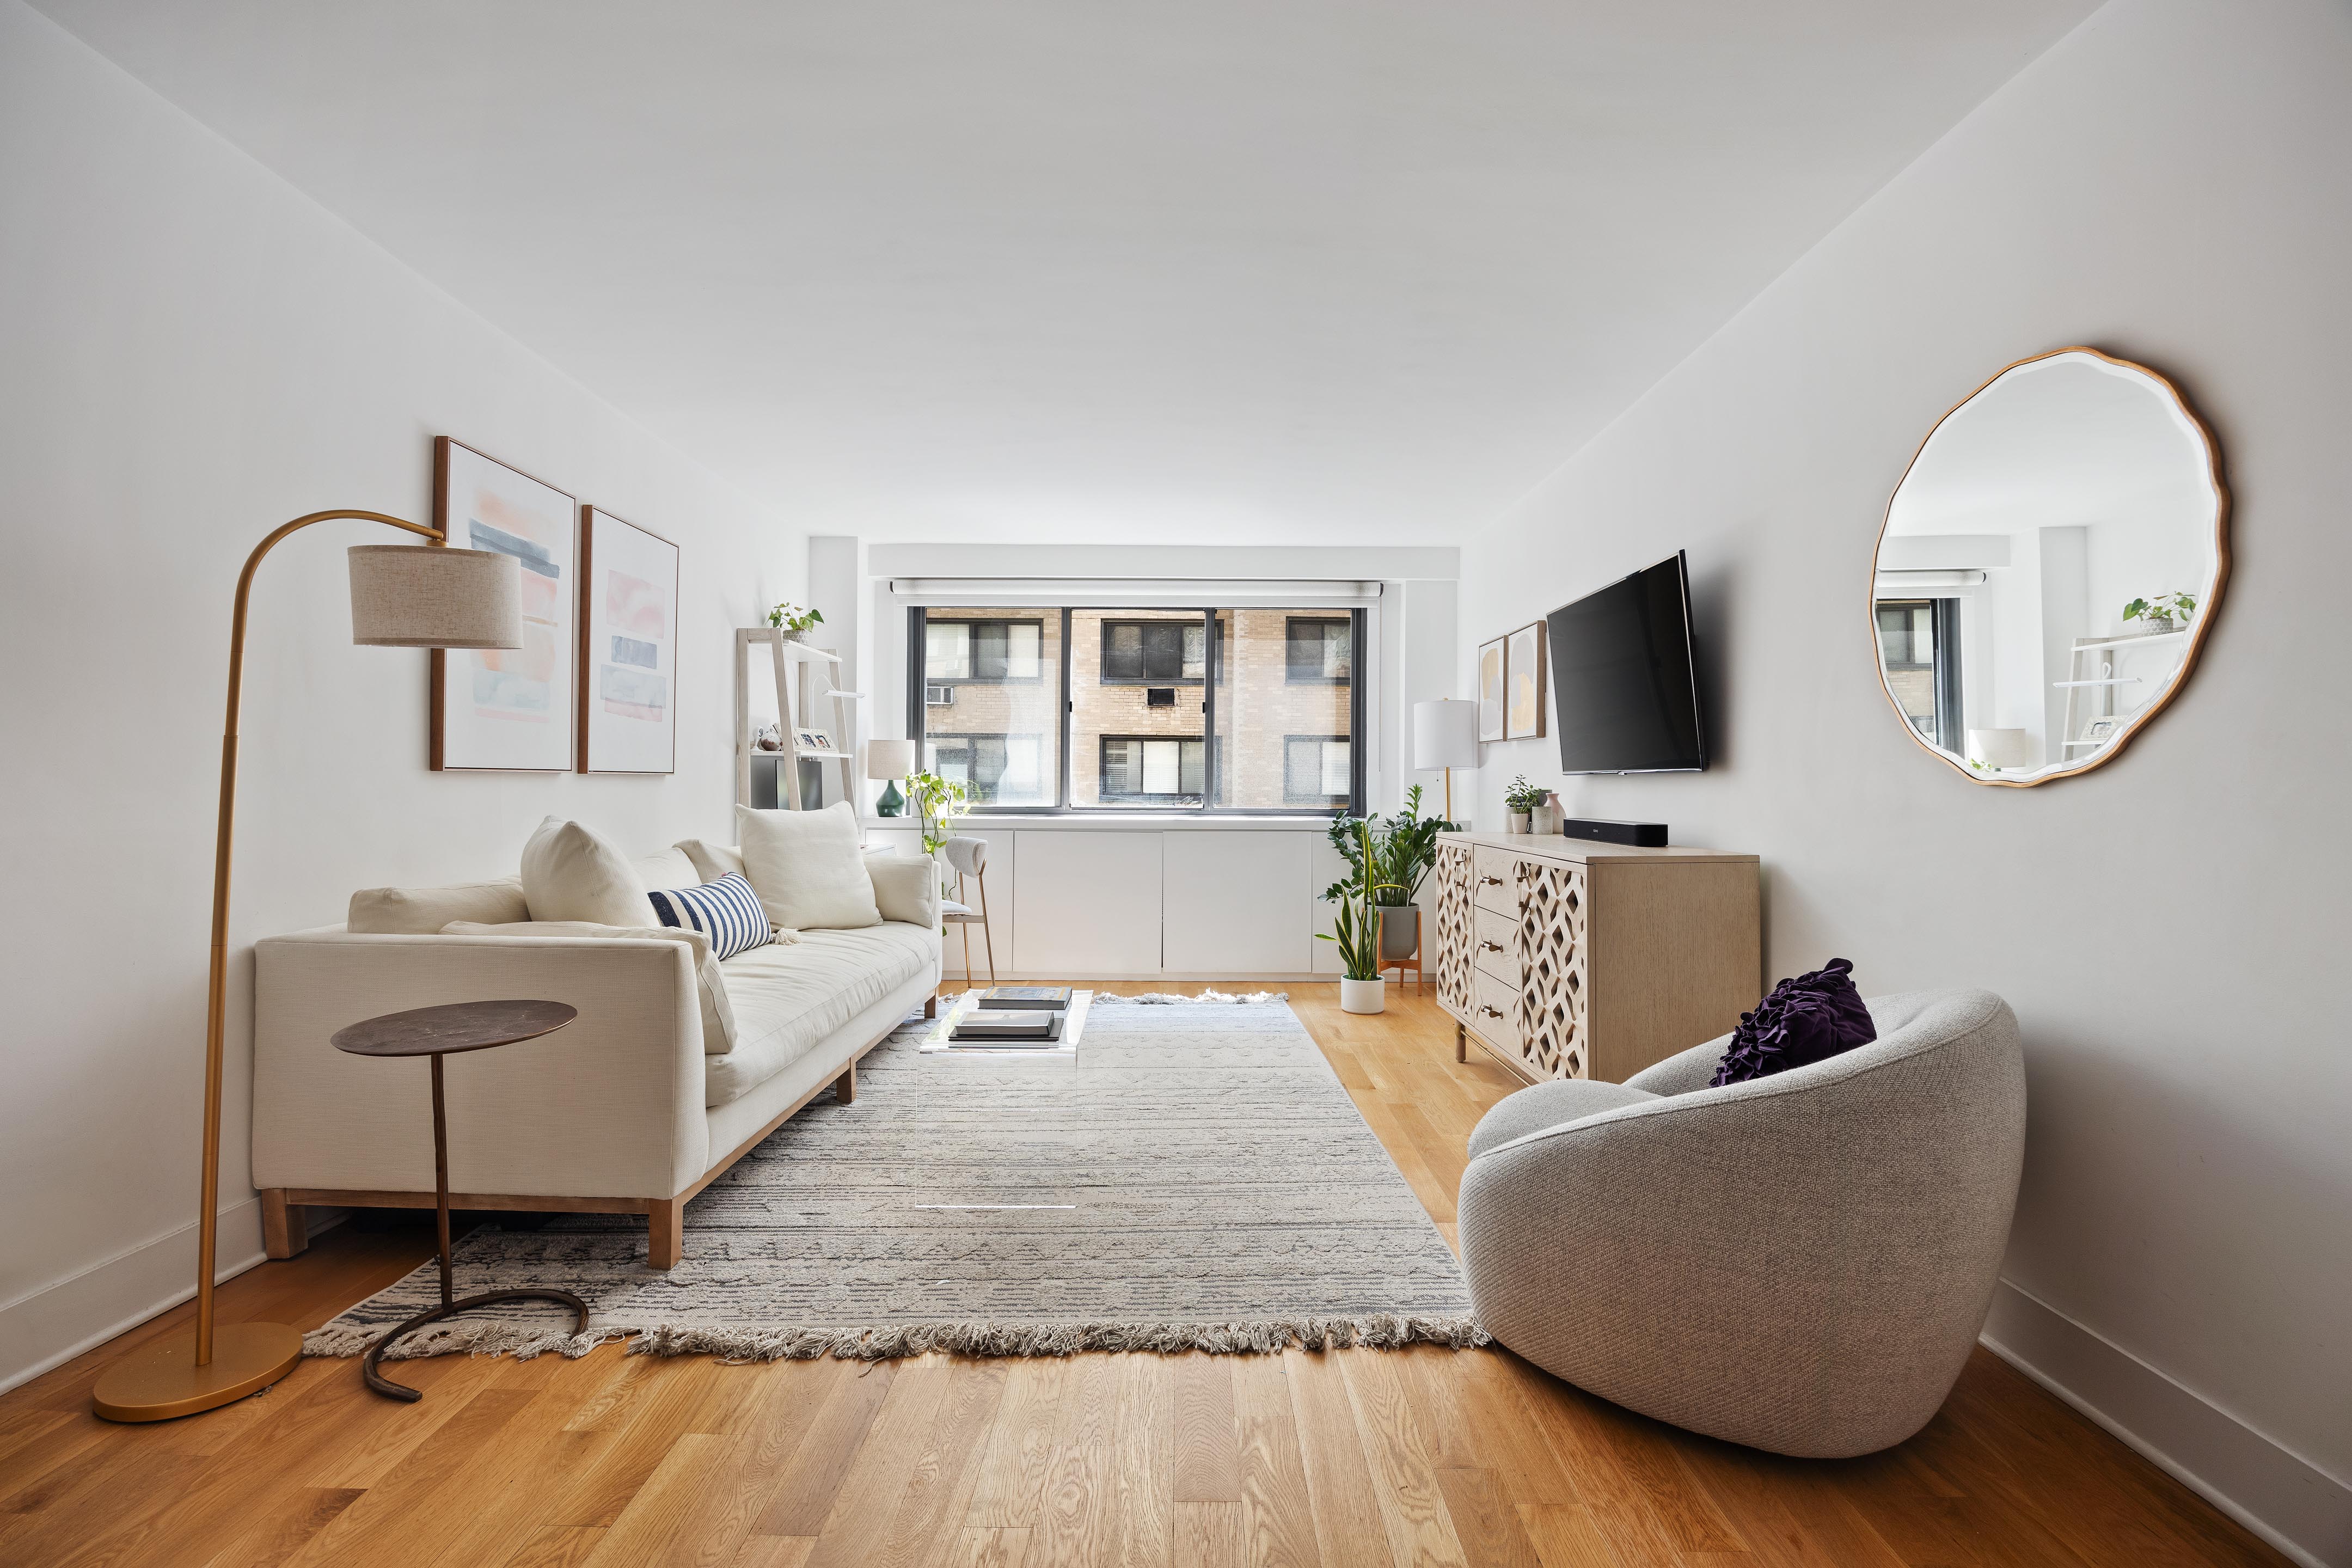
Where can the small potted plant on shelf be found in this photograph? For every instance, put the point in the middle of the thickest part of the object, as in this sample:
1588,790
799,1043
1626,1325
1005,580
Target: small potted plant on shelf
1356,928
793,621
1521,800
2156,616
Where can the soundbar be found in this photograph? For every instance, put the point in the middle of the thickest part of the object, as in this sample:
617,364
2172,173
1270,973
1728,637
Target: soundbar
1640,835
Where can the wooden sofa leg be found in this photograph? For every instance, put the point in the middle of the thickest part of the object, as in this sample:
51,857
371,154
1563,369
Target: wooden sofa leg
931,1005
284,1227
845,1087
665,1233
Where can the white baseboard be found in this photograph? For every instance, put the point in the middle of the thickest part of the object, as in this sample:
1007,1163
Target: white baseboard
52,1325
1063,977
2280,1497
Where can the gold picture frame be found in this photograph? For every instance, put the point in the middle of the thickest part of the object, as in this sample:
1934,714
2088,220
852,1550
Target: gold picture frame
1523,683
1490,691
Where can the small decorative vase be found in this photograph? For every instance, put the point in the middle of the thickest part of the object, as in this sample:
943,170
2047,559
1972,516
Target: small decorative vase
794,636
1399,933
1362,996
1546,816
2158,625
892,802
1518,822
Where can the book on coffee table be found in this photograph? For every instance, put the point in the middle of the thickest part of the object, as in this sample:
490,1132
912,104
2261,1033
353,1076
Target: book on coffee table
1025,998
1024,1026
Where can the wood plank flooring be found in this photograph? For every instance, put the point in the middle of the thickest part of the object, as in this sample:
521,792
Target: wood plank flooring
1421,1456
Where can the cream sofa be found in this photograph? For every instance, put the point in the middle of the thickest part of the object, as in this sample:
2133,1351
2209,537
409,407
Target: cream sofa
629,1109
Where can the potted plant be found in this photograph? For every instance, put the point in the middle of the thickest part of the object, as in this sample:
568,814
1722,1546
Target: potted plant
1355,928
938,802
2157,616
793,621
1521,800
1391,856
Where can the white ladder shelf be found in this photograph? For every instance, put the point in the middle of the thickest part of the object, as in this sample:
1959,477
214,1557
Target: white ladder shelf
805,687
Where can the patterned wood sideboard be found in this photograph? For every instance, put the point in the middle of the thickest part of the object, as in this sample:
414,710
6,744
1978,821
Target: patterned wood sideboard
1567,959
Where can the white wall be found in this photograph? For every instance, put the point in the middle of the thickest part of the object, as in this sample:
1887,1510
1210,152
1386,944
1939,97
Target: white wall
192,352
2170,184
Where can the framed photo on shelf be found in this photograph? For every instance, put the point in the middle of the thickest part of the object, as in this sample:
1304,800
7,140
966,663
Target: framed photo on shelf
2099,732
628,647
508,708
1523,682
812,740
1490,691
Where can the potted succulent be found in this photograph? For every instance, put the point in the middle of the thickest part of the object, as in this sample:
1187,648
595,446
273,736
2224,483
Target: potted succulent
793,621
1521,800
1394,856
1355,928
2157,616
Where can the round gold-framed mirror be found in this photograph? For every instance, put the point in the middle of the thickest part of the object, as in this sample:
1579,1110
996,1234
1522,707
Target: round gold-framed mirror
2048,568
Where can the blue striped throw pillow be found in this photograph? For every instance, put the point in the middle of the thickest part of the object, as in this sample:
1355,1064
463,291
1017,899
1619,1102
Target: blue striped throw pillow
725,911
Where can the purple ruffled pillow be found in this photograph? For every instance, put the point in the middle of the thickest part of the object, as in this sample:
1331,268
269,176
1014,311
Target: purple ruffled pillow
1808,1020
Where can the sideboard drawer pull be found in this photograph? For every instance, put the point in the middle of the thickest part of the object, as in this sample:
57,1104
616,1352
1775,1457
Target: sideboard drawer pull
1491,1012
1490,881
1492,946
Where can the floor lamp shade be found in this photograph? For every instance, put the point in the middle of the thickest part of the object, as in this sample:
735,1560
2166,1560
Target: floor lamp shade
1446,733
889,759
423,595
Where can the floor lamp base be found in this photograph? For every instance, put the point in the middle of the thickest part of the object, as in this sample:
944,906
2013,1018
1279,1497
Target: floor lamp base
164,1380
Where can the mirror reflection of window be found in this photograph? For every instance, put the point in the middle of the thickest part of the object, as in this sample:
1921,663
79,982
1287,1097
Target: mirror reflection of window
2046,566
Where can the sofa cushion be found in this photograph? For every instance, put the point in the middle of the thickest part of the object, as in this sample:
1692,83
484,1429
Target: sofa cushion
710,861
570,874
787,998
672,868
423,912
718,1016
808,868
727,912
905,888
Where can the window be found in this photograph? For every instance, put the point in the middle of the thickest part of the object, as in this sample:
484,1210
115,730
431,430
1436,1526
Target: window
1316,771
994,651
1155,772
1316,650
1155,653
1919,642
993,769
1087,709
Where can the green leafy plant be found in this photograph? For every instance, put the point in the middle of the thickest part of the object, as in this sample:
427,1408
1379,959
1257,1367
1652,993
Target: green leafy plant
1391,855
937,802
793,618
1523,795
2162,609
1355,927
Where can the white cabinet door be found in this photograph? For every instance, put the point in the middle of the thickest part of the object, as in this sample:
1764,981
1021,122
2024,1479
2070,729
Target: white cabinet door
1238,903
1327,867
1087,904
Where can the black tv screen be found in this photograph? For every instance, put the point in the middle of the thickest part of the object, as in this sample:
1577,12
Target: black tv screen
1624,698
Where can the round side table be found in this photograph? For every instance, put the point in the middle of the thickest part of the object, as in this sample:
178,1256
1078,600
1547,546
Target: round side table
438,1031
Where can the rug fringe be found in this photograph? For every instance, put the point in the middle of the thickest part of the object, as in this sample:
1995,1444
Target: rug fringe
1379,1331
1169,998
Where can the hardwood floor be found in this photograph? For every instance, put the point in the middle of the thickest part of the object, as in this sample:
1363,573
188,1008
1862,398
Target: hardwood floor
1354,1458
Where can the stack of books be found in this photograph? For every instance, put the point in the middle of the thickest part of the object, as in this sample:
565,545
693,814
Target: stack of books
1015,1015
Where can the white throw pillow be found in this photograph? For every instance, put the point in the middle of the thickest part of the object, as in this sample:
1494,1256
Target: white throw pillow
718,1014
712,861
808,868
570,874
905,889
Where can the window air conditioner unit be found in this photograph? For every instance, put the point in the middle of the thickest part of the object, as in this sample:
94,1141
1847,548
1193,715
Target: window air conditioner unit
941,696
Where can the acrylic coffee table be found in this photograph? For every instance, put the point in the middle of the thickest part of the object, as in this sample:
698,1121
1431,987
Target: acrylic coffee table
940,1036
438,1031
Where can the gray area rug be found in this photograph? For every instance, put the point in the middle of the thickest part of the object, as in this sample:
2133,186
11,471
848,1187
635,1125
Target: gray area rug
1199,1180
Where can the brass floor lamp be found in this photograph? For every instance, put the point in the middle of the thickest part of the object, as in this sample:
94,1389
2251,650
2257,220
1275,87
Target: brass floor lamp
401,596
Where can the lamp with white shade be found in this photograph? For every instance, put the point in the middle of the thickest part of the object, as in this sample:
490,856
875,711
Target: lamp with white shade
1445,735
403,596
890,760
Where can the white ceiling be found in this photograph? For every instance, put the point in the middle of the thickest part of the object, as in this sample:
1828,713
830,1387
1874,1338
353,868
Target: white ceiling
1241,271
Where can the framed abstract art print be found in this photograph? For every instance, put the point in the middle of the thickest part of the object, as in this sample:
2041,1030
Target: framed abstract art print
508,708
628,647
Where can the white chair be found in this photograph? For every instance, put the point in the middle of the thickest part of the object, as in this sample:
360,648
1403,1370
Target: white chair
968,857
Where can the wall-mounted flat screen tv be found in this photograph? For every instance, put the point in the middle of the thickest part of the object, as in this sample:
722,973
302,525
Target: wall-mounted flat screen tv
1623,691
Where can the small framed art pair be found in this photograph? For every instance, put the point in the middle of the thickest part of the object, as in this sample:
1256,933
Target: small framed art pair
595,685
1511,685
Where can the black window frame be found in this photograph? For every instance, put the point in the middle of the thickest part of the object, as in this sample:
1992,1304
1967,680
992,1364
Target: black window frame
1290,675
969,737
1147,678
1176,801
1218,629
971,625
1943,663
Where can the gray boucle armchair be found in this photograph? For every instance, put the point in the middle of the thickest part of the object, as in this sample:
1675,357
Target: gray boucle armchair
1800,1263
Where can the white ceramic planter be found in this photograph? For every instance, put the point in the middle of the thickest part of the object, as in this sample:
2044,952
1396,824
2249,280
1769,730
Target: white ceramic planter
1363,995
1546,819
1518,822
